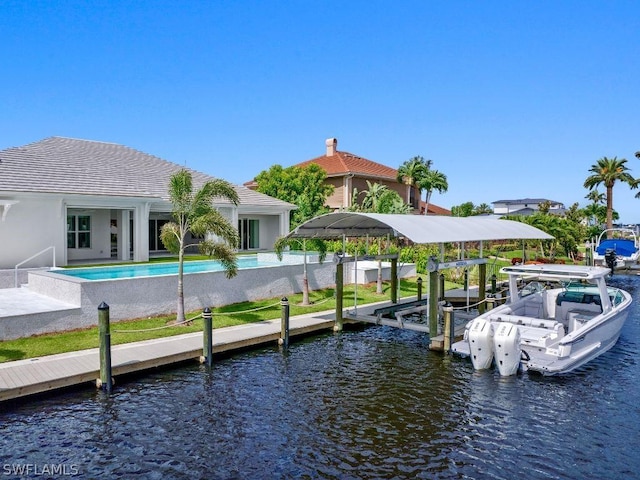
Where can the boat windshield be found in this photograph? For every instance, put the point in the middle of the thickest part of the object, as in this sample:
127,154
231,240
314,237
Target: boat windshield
616,296
531,288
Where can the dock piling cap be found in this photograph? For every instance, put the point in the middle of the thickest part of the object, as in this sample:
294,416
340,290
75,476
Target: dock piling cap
103,306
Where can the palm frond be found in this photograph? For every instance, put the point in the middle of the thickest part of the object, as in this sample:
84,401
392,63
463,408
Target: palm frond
223,253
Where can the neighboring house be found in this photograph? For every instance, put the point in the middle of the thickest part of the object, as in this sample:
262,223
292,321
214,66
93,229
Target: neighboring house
95,200
346,172
525,206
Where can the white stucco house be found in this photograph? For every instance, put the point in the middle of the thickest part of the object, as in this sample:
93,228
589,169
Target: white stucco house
525,206
89,200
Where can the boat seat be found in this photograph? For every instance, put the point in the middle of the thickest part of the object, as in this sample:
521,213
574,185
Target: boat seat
525,321
542,337
563,310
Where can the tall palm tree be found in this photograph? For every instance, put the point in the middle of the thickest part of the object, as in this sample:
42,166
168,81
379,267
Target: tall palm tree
430,181
193,212
608,171
411,173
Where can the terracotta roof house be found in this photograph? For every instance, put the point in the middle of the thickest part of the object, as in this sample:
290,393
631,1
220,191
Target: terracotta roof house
346,172
88,200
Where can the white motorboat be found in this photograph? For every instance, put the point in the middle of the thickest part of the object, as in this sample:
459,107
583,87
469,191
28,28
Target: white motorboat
556,319
621,243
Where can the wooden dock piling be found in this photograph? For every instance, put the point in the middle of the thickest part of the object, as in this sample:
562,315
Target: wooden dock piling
106,380
207,337
449,334
284,324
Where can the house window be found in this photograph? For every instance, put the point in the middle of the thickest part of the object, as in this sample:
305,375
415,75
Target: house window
78,231
155,228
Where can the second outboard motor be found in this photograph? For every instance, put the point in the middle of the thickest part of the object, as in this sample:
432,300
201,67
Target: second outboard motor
506,344
481,343
610,258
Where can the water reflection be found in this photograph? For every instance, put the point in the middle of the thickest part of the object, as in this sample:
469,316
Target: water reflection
372,403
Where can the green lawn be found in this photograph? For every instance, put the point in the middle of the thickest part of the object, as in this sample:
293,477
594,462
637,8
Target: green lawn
124,332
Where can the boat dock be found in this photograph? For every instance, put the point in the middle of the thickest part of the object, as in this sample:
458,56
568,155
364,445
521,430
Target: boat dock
31,376
38,375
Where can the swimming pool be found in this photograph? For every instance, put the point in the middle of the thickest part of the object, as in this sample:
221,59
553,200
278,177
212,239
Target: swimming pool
112,272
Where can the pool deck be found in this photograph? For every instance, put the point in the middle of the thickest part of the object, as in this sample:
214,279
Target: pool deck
22,301
49,373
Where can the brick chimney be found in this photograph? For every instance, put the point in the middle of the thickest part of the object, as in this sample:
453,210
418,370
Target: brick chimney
332,145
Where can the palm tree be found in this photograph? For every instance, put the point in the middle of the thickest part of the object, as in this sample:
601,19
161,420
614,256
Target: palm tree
596,214
411,173
430,181
608,171
193,212
393,203
316,243
380,199
595,196
374,193
483,209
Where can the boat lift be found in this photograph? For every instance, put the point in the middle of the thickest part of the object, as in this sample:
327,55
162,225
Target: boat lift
425,229
397,314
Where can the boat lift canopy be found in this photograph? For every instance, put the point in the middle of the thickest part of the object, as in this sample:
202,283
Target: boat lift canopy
416,228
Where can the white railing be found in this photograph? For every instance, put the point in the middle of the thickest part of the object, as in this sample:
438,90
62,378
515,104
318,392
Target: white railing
31,258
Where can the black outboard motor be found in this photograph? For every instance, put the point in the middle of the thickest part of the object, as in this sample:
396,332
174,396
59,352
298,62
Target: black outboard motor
610,258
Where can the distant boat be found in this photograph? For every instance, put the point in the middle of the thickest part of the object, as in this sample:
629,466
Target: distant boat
621,243
563,317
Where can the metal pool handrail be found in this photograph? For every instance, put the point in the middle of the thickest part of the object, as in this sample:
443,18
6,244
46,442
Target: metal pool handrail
31,258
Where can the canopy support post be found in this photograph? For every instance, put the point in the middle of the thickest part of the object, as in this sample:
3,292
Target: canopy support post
394,280
339,292
482,287
433,304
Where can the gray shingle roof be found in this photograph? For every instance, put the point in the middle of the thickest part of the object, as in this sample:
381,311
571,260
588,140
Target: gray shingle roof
73,166
526,201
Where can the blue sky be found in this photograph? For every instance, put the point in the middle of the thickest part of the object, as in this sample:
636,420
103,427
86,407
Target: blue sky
510,99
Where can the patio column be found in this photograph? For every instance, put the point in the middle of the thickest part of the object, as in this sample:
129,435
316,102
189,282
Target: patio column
141,233
124,234
284,223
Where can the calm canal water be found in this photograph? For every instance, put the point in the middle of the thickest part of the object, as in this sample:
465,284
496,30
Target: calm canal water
372,403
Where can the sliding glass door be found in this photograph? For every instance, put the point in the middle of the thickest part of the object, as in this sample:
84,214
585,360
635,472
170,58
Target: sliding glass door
249,231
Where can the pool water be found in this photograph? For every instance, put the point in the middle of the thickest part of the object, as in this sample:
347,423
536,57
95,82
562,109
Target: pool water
155,269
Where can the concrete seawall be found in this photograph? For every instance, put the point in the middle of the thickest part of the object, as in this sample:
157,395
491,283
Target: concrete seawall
130,298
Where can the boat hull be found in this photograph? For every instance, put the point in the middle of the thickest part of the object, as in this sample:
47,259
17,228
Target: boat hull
581,348
561,324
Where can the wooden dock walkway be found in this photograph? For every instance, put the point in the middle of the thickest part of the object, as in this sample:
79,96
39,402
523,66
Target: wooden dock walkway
37,375
43,374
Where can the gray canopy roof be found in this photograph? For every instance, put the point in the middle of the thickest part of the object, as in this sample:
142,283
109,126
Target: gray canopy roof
417,228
